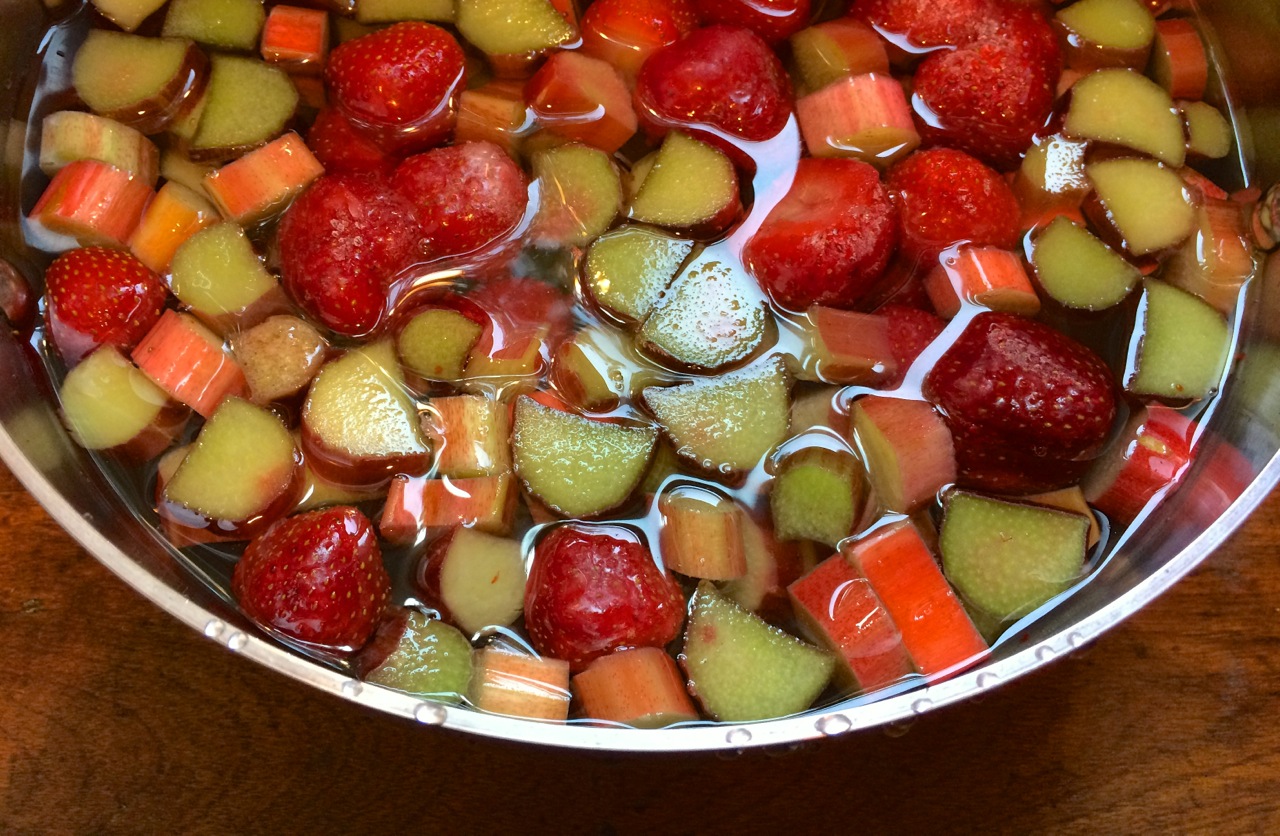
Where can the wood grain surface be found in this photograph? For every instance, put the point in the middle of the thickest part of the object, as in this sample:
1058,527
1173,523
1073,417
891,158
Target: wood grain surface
115,718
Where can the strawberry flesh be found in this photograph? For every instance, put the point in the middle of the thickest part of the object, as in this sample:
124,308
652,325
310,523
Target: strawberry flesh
342,148
925,24
637,23
911,331
100,296
317,577
596,589
773,20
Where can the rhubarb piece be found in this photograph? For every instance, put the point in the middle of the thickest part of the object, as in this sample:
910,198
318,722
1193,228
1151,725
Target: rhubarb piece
992,278
70,135
518,684
415,504
1145,203
217,274
862,116
816,495
812,407
624,33
847,347
418,655
908,450
391,11
835,49
469,434
1180,346
185,359
712,316
280,356
1107,33
580,373
144,83
665,464
179,168
95,203
512,27
242,472
1126,108
582,99
109,405
690,185
1072,499
1051,180
1214,262
1209,134
729,423
170,219
1144,461
247,104
264,181
359,425
581,195
476,579
296,38
640,687
701,534
514,367
184,126
740,668
627,269
1179,62
1077,270
319,493
495,112
1007,558
770,567
435,343
221,24
559,457
127,14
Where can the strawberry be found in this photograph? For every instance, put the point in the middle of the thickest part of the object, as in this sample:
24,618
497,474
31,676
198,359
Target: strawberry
1028,406
911,330
316,577
773,20
466,196
722,77
925,24
341,242
100,296
342,148
626,32
829,239
399,84
522,307
946,197
596,589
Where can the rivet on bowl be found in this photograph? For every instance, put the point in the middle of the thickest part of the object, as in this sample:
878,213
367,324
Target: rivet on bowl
214,628
833,725
236,641
738,737
352,688
922,705
1044,653
430,714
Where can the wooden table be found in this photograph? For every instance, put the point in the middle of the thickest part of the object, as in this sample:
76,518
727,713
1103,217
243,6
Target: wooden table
116,718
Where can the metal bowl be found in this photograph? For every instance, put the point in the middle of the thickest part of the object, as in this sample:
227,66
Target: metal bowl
1238,465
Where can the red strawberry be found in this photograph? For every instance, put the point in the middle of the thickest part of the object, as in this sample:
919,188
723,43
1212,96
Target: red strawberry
400,84
773,20
829,239
467,196
946,197
341,242
342,148
99,296
911,330
596,589
317,577
923,24
626,32
723,77
1028,406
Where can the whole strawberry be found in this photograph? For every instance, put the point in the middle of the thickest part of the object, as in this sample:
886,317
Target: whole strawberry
596,589
773,20
400,84
317,577
911,331
341,242
342,148
99,296
1028,406
925,24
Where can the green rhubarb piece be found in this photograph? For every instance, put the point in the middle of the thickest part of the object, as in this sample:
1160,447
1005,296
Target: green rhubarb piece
627,269
388,11
216,271
436,343
247,103
508,27
227,24
432,659
815,495
1146,202
580,194
1179,349
1078,270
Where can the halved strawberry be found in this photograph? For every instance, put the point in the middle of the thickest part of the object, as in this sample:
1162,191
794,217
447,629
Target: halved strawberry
773,20
99,296
911,330
829,239
341,242
1029,407
317,577
626,32
399,84
947,197
342,148
466,195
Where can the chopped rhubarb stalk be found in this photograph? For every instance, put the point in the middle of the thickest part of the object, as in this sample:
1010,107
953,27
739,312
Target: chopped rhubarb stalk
470,435
262,182
829,51
186,359
71,135
1070,499
1202,187
1051,181
908,449
842,612
415,503
640,687
552,401
495,112
513,34
701,534
862,116
296,37
1149,456
1179,63
520,685
174,215
986,276
850,347
936,631
474,579
816,495
518,362
1215,261
1106,33
584,99
96,203
624,32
